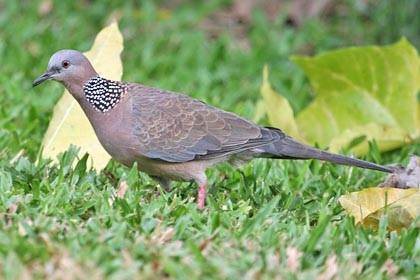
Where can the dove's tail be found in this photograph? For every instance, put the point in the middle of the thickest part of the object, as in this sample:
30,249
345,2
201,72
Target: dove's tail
288,148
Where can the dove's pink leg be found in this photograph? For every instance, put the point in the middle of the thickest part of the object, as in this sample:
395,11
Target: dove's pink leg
201,195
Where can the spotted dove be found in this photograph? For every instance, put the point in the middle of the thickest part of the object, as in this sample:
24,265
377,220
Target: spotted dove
172,136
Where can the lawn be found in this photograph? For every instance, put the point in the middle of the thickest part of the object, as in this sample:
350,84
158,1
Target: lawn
266,220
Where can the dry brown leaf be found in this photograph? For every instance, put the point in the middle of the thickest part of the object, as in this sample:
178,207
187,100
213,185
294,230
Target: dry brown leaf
162,236
69,124
122,189
405,177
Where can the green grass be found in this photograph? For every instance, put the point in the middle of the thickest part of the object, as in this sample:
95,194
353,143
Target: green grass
57,221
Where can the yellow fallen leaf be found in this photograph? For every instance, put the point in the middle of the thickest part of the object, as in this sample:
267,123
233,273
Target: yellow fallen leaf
369,205
387,138
278,109
260,111
69,125
418,117
357,99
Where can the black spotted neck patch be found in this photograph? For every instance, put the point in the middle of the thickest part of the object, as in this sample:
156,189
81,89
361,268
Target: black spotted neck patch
103,94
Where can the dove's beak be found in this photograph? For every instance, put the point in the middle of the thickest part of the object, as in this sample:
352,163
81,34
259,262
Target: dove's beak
46,76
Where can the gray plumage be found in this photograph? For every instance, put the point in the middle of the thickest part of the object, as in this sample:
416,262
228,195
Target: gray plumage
172,136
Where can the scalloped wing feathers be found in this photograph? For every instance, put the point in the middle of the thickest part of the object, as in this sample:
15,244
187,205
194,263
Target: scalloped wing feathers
176,128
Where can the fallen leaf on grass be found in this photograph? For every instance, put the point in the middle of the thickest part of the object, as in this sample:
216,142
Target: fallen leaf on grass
398,198
278,109
390,138
369,205
69,125
368,92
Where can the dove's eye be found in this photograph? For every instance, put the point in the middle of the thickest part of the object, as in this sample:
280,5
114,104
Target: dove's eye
65,64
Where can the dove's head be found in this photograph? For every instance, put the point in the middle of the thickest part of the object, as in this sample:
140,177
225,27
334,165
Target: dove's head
70,68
